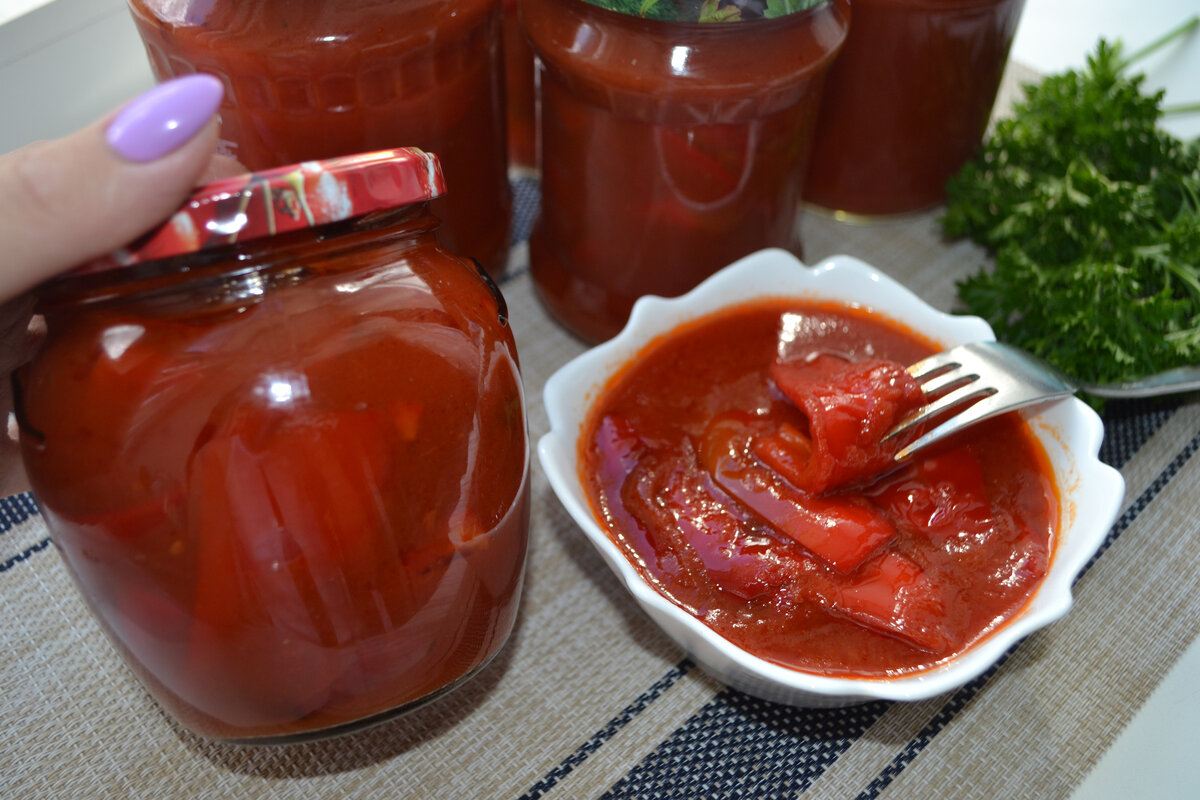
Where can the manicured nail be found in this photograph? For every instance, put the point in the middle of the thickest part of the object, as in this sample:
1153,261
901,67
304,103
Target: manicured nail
164,118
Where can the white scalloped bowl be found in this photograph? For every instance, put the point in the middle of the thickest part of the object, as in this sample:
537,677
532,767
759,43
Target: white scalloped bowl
1090,492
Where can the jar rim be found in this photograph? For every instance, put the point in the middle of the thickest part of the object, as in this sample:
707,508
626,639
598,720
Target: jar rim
284,199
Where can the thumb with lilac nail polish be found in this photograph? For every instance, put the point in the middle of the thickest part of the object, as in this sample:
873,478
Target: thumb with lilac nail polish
165,118
67,200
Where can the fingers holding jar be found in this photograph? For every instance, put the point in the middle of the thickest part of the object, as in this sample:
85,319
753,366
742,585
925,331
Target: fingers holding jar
74,198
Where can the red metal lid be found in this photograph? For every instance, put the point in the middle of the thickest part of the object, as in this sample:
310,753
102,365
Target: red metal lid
285,199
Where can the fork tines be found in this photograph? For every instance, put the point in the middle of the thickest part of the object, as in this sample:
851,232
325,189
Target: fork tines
947,384
972,382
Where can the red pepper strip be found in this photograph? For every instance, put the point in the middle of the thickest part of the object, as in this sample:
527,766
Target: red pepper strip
850,407
692,160
618,452
785,450
734,551
941,496
892,595
288,512
619,448
251,623
842,531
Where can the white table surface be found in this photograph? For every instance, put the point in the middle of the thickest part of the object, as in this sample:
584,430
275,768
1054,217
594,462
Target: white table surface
65,62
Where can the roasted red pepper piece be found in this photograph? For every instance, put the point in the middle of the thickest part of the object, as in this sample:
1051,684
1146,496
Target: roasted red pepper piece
703,163
941,496
850,407
691,528
289,518
619,449
730,549
893,596
252,622
842,531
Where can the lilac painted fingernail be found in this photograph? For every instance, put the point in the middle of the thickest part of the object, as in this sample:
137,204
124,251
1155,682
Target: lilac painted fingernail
164,118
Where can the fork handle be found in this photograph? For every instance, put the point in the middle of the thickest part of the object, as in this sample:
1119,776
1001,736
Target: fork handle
1173,381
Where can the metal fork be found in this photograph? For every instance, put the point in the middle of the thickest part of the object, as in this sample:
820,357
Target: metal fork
989,378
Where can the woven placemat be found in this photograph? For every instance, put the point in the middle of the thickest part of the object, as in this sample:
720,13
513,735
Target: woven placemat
590,700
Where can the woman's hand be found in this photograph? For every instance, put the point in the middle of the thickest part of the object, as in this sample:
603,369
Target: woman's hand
66,201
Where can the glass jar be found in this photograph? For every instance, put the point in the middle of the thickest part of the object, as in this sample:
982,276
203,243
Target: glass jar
668,149
314,79
282,451
907,102
520,92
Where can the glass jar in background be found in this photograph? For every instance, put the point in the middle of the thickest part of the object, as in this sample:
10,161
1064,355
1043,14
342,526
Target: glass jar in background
667,149
520,92
281,447
314,79
907,102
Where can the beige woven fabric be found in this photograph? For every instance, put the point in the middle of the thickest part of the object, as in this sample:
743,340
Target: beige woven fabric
588,687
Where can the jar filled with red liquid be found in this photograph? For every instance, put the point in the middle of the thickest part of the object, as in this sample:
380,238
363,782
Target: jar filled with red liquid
314,79
668,148
520,92
280,444
907,102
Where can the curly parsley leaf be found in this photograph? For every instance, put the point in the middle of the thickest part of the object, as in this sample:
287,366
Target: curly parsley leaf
1093,215
781,8
708,11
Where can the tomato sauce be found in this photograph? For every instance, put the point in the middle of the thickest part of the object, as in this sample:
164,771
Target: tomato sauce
907,102
667,150
851,575
519,91
313,79
291,477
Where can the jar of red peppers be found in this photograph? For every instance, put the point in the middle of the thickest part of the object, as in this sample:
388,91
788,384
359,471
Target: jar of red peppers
519,91
907,102
314,79
280,444
669,148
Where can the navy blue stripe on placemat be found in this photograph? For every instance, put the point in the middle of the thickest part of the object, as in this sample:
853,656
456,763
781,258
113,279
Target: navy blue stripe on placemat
792,747
15,509
608,731
741,746
963,695
1128,426
24,555
527,198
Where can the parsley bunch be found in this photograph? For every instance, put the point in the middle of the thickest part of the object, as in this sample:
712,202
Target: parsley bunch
1093,215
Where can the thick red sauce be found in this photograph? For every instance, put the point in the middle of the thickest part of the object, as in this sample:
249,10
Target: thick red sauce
667,150
907,102
295,499
880,576
520,91
313,79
